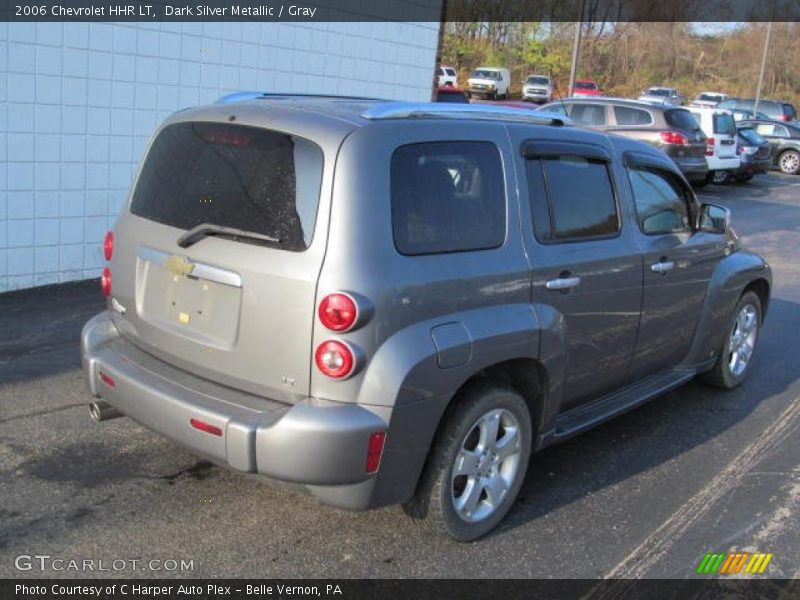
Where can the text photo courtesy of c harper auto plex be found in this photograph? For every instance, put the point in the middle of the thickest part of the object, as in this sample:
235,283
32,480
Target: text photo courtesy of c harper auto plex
417,298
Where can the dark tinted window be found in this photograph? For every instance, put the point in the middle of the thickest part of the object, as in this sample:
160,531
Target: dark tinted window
235,176
447,197
589,114
632,116
681,119
585,85
661,204
724,124
452,97
581,198
538,80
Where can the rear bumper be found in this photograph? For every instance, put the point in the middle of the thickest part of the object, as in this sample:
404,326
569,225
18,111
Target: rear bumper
692,168
723,164
754,167
323,447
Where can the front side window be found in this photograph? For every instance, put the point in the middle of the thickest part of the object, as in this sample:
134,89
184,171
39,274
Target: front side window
724,124
571,199
447,197
661,205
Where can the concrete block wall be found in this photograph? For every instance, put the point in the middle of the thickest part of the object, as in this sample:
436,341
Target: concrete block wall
78,102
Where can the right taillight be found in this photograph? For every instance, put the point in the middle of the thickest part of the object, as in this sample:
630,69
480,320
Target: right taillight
335,359
338,312
105,282
674,137
108,245
710,146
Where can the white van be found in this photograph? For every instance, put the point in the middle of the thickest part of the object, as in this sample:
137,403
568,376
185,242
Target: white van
720,129
446,76
491,82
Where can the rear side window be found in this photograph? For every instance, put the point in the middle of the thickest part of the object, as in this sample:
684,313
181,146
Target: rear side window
589,114
661,204
724,124
681,119
631,116
447,197
571,198
235,176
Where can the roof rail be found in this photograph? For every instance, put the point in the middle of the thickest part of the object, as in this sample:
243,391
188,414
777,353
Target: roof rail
245,96
432,110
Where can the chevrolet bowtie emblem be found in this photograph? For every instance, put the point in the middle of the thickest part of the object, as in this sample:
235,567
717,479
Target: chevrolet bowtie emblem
177,264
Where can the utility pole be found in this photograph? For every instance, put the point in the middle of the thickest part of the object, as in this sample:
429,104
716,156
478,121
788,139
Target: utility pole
763,68
575,51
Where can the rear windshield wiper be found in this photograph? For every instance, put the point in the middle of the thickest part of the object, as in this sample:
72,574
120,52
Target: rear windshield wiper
197,233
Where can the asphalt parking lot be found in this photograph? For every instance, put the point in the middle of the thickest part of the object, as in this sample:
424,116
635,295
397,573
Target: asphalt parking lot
647,495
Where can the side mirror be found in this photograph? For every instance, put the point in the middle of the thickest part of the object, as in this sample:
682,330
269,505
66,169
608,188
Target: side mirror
714,218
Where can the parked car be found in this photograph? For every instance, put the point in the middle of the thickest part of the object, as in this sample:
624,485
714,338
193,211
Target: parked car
586,87
490,82
755,155
451,94
785,141
662,95
447,76
742,114
708,99
773,109
720,129
671,129
339,294
537,88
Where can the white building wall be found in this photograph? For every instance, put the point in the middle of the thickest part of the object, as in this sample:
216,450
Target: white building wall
78,102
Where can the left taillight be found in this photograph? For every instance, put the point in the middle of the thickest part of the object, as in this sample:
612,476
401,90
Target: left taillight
108,245
105,282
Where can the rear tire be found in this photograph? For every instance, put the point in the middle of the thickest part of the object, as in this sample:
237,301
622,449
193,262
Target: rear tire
477,463
735,358
789,162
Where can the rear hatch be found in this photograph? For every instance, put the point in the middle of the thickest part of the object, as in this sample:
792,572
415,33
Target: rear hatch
212,270
682,120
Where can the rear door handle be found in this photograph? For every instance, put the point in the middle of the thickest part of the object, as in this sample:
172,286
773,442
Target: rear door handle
563,283
665,266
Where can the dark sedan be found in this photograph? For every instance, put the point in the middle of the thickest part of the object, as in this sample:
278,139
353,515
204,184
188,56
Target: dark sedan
755,155
785,141
671,129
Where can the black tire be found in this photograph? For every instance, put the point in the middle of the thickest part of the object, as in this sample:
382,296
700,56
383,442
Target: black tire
789,162
721,177
721,374
433,504
493,95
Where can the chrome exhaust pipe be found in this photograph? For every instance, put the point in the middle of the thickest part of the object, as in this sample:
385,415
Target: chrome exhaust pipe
100,410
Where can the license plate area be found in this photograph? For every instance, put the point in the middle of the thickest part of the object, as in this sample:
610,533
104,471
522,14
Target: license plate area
190,306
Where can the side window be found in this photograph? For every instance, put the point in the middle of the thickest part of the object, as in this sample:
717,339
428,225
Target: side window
661,203
589,114
771,130
447,197
571,198
631,116
557,109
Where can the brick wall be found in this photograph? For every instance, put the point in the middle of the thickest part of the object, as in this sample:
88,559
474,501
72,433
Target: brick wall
78,102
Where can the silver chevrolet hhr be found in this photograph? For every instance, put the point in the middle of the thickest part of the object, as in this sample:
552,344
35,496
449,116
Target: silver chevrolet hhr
393,302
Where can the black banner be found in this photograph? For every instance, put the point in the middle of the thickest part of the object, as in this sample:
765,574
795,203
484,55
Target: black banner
405,589
400,10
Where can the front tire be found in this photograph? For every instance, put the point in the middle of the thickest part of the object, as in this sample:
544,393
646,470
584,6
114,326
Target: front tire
721,177
477,463
789,162
735,359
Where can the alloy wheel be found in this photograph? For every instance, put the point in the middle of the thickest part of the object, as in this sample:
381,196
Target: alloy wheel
742,340
486,465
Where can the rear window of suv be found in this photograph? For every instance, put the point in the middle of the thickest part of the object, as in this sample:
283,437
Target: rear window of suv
447,197
235,176
724,124
681,119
